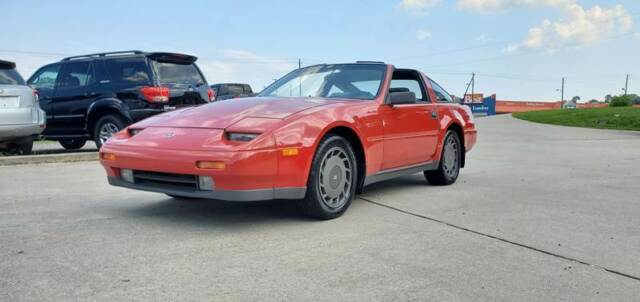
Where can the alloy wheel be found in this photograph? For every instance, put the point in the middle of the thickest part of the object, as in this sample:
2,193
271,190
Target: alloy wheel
451,157
107,131
335,179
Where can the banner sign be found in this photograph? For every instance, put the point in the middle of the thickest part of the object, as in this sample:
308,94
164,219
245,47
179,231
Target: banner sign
482,106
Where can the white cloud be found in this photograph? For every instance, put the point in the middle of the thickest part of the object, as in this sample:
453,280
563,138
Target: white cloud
417,7
492,5
483,38
244,67
578,26
423,34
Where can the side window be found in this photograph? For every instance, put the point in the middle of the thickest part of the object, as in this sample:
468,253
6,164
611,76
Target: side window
235,89
442,95
75,75
406,80
224,90
45,78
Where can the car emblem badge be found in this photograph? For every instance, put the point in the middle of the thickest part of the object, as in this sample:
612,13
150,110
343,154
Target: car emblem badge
170,134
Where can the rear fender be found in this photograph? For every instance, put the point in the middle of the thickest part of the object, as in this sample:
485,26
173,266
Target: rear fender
106,106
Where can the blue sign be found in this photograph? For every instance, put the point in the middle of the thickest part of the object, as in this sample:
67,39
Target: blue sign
487,107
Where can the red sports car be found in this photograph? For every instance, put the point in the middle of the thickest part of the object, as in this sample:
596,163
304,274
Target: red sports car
320,134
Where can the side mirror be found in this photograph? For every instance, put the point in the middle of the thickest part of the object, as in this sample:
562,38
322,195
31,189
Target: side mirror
399,98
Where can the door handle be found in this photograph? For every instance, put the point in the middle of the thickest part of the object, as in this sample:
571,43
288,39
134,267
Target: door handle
434,115
90,94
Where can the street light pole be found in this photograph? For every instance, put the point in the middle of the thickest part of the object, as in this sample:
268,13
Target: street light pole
562,95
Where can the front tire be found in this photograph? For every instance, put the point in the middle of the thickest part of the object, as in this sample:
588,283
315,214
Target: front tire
450,161
333,179
106,127
72,143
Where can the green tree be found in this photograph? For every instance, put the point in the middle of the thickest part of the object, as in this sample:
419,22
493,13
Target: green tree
621,101
607,98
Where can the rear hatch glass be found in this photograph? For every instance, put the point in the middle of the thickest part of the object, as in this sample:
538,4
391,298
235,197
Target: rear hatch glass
9,76
185,82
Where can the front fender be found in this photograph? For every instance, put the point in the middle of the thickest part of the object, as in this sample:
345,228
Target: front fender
305,135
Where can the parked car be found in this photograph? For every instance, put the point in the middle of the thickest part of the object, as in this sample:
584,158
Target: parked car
225,91
320,133
91,97
21,119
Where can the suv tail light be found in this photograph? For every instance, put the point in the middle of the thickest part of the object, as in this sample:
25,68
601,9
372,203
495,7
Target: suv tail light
155,94
212,94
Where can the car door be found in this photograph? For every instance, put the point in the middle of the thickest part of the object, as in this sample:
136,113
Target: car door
410,130
44,81
75,91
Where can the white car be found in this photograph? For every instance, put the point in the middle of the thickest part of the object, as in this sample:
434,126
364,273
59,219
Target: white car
21,119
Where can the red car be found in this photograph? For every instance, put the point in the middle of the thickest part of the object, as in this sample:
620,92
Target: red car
320,133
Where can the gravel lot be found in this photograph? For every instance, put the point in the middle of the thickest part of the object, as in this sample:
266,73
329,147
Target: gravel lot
541,213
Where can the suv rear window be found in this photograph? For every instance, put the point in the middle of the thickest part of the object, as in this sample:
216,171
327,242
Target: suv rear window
172,74
10,77
128,71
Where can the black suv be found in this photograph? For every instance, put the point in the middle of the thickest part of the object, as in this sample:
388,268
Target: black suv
93,96
224,91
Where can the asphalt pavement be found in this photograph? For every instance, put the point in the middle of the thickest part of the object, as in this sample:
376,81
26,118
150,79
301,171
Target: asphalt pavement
541,213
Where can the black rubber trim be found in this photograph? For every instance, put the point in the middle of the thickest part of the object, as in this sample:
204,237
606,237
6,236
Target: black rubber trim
226,195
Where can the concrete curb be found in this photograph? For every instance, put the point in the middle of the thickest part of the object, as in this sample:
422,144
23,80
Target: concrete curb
48,158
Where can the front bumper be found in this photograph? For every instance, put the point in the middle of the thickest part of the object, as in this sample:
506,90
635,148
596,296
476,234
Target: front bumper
247,176
226,195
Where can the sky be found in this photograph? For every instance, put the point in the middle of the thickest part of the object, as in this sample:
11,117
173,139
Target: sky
519,49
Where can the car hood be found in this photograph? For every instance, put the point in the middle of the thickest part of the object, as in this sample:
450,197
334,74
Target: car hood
222,114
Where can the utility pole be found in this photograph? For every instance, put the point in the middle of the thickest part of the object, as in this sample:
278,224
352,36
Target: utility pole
626,85
299,63
473,86
562,94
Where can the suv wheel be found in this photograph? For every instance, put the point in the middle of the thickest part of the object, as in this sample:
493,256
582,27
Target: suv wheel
106,127
450,160
22,148
332,180
72,143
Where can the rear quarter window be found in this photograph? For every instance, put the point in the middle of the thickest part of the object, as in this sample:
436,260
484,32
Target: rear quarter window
172,74
126,71
10,77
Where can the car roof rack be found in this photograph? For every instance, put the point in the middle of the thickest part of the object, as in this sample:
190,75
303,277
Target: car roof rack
104,54
369,62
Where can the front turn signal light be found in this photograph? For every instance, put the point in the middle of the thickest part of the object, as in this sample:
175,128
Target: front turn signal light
108,156
211,165
289,151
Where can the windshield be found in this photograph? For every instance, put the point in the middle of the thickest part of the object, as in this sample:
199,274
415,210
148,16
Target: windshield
345,81
10,77
172,74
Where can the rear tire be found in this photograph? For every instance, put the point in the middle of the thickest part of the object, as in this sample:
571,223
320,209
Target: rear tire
72,143
450,161
106,127
24,147
333,179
